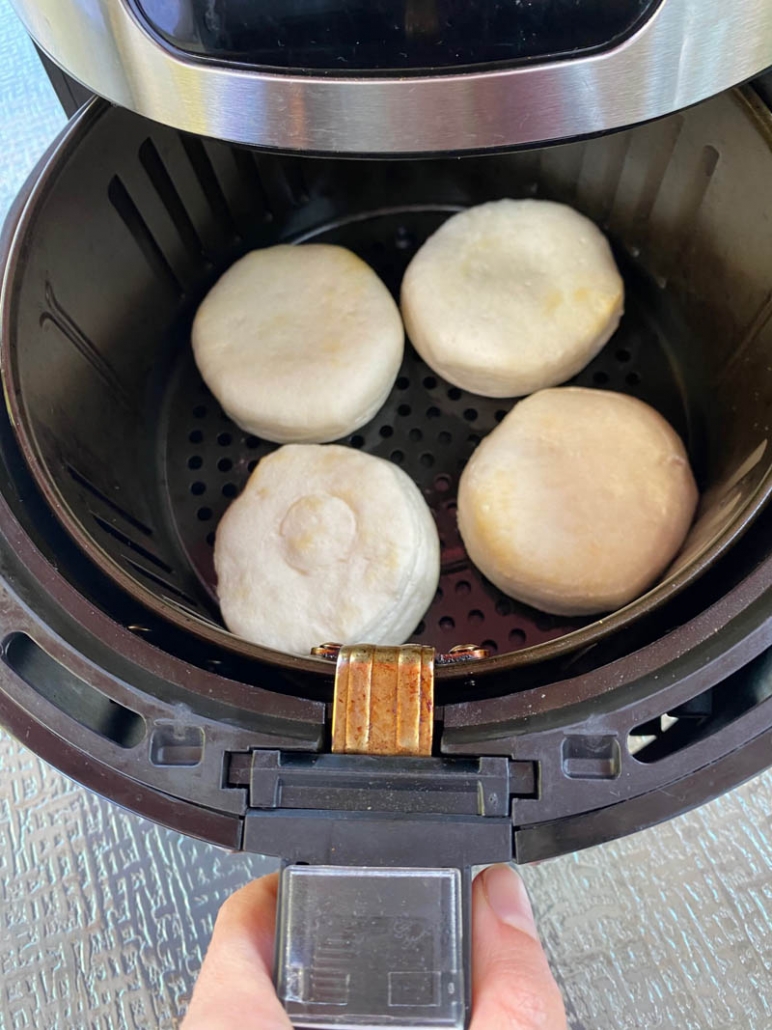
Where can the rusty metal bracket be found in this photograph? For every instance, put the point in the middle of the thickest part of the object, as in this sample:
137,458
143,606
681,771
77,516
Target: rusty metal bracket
384,700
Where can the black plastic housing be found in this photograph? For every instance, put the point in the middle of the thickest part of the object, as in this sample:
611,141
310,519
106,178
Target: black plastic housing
139,709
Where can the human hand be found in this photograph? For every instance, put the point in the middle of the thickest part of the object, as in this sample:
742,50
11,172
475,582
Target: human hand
512,986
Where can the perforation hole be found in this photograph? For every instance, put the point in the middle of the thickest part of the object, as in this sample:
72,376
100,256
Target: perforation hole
357,441
491,645
500,415
403,382
210,539
386,432
252,465
197,488
476,617
470,414
415,435
433,412
430,383
623,355
204,514
225,464
442,483
397,457
230,490
427,459
195,436
252,441
224,439
195,461
404,239
516,637
454,394
600,378
463,588
444,437
404,409
633,379
447,623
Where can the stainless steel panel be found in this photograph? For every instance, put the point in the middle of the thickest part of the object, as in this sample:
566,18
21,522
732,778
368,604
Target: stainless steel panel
689,50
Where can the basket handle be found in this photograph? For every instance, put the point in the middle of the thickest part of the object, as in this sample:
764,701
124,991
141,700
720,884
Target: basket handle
374,948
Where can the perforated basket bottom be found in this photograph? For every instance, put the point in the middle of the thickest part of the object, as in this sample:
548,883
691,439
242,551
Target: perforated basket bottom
427,426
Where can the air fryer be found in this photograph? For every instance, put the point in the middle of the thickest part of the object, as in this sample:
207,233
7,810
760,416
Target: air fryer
549,734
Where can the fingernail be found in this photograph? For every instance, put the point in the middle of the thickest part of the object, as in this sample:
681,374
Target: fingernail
508,898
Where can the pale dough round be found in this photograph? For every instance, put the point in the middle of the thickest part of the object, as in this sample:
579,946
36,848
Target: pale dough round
512,296
578,501
299,344
326,544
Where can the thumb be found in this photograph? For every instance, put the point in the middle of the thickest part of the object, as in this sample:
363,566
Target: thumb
512,986
234,987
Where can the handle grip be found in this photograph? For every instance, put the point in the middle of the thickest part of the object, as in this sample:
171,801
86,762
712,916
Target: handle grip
374,948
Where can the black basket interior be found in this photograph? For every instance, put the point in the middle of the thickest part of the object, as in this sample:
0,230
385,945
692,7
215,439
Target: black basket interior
138,222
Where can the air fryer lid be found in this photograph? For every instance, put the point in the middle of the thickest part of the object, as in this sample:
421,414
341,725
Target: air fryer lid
403,76
134,223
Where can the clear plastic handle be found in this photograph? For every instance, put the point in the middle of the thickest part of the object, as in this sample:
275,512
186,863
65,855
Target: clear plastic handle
370,947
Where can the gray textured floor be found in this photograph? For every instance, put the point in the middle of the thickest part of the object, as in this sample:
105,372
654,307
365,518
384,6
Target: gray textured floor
104,917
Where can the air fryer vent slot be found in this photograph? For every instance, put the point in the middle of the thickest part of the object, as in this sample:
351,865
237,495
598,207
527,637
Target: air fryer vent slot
71,694
164,584
167,191
704,715
128,542
141,234
210,186
96,492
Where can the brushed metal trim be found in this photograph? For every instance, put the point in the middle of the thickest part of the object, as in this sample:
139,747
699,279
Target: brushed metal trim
687,51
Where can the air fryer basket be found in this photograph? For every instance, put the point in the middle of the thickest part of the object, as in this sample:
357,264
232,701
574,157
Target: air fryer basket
121,242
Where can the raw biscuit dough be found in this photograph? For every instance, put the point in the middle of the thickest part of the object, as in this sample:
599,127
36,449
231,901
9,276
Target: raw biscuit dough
512,296
578,501
326,544
299,344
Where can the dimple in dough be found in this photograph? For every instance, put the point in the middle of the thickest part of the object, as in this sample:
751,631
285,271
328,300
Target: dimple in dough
326,543
299,344
512,296
578,501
